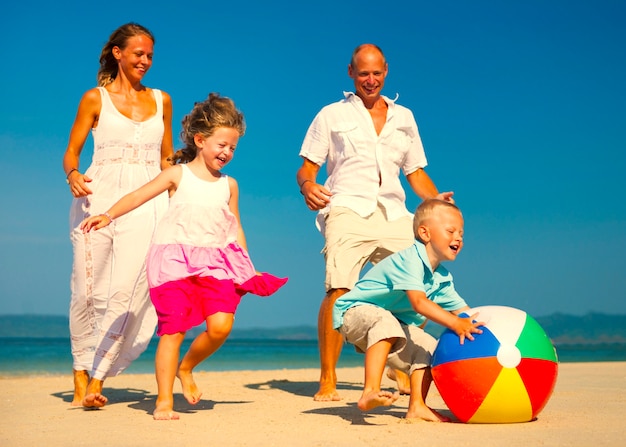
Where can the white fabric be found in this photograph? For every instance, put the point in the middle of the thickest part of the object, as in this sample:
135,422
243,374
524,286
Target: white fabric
111,317
363,168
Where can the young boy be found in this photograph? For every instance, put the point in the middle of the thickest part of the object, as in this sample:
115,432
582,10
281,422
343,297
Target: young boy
384,314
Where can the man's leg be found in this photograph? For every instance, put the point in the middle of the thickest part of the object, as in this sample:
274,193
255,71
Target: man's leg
330,342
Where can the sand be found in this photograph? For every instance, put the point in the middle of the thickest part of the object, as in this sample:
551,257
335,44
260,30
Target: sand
275,408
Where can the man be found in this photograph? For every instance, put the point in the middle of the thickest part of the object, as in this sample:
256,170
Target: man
365,139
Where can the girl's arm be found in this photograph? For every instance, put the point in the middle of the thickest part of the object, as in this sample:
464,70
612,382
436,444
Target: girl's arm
167,180
86,119
233,204
463,327
167,145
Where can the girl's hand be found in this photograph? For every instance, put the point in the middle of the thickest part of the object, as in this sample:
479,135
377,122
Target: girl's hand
465,327
95,222
78,184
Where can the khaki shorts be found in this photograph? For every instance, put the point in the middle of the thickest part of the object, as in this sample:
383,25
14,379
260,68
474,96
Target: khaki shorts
366,325
352,241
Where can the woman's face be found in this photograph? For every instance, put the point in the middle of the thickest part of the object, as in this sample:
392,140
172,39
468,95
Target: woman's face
136,58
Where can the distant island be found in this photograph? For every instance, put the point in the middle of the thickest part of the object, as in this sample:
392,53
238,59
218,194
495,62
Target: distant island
593,328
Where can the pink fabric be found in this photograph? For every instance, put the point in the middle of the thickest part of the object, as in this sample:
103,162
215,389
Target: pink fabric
187,302
171,262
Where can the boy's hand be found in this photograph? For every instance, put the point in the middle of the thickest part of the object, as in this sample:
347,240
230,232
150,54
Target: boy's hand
465,327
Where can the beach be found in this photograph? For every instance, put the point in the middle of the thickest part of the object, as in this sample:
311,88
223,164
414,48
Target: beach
275,408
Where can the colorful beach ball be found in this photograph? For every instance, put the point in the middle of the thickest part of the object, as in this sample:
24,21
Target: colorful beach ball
507,374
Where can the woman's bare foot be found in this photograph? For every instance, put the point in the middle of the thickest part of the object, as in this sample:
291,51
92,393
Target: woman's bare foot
402,380
93,396
424,413
377,398
190,390
81,380
94,400
164,411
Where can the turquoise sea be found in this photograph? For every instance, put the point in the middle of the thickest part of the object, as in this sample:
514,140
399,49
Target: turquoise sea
28,356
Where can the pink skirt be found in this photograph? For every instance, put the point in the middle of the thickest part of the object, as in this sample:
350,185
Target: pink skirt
185,303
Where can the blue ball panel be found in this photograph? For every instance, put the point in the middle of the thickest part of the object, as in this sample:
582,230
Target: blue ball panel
450,349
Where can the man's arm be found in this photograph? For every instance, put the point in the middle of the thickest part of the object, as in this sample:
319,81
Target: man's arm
316,196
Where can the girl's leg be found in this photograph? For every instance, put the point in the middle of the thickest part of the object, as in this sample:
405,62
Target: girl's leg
206,343
375,360
166,362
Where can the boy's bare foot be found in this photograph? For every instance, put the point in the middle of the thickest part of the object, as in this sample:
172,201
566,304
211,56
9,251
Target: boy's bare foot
403,382
377,398
190,390
93,396
327,393
81,380
164,411
424,413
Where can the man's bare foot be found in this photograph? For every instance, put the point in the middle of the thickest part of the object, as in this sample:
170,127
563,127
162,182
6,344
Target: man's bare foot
94,400
93,396
81,379
190,390
424,413
164,411
327,393
377,398
402,380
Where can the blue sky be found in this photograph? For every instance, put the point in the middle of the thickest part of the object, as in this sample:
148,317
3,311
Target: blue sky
520,105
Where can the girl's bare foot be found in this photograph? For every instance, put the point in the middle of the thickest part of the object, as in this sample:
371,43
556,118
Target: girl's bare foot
164,411
81,380
377,398
424,413
190,390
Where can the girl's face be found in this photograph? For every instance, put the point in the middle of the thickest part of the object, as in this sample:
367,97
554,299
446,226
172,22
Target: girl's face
136,58
218,149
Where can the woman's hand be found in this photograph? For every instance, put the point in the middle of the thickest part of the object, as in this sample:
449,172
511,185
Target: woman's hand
78,184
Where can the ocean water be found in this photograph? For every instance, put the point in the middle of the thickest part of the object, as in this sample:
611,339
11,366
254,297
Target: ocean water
28,356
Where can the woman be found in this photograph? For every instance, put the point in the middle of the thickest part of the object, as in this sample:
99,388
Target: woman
111,317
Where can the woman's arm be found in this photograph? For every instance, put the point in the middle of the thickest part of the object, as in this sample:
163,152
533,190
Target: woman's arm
86,118
167,145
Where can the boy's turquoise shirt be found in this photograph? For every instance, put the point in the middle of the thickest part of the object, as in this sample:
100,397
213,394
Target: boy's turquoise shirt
385,285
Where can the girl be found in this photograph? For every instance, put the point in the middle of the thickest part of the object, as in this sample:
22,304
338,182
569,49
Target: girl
111,317
198,266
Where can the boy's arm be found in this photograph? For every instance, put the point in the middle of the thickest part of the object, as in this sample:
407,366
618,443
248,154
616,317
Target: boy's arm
463,327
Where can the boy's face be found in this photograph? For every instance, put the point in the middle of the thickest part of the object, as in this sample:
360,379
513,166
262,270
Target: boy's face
443,235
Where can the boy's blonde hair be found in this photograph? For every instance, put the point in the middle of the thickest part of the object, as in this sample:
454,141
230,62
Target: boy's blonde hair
427,209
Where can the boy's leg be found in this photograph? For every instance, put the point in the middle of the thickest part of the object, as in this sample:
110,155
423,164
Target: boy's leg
206,343
166,362
375,360
420,384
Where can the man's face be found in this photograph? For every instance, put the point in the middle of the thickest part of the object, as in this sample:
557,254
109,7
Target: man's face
368,73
